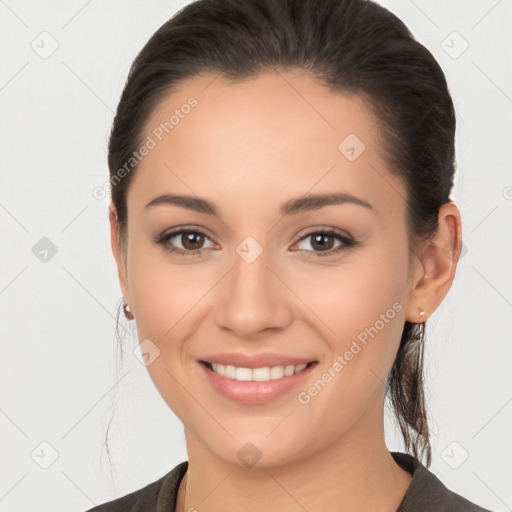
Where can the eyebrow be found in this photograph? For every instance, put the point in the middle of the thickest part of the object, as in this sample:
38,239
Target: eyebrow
291,207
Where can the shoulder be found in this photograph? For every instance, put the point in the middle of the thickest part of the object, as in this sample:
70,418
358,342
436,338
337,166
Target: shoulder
427,493
157,496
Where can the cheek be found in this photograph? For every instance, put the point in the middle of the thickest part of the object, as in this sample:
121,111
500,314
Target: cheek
166,301
353,296
164,294
362,304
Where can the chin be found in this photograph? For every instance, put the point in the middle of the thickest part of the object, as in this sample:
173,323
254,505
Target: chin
259,451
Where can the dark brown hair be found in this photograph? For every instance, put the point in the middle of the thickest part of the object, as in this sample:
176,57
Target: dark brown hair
352,47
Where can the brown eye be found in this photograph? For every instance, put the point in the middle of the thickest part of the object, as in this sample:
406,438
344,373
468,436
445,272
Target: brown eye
186,242
322,243
192,240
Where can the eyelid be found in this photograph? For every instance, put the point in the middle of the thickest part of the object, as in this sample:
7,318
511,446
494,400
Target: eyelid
327,230
347,240
185,229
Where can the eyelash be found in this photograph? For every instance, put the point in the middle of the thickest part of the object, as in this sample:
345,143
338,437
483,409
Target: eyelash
347,242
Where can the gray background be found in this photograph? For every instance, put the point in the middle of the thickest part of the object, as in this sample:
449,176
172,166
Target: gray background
58,382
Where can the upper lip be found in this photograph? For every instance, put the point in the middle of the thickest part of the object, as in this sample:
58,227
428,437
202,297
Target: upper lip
255,360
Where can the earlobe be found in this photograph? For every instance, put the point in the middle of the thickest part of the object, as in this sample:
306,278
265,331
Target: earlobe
438,264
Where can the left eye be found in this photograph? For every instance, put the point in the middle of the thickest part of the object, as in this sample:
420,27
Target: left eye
324,240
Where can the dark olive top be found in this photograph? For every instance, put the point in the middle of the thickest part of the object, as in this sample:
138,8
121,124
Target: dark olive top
426,493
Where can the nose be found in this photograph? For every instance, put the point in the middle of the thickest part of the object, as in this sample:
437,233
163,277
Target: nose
254,298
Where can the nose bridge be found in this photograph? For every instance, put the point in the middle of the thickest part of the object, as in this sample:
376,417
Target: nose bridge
254,299
251,279
250,276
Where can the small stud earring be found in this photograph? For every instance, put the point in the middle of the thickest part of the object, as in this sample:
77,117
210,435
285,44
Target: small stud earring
422,313
128,312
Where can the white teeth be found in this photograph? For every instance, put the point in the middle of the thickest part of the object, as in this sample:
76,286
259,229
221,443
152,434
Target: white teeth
261,374
257,374
230,371
276,372
289,370
243,374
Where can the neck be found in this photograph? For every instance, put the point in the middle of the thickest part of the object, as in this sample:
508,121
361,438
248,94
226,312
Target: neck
356,472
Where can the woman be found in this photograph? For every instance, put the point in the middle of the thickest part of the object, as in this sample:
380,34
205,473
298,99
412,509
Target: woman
282,225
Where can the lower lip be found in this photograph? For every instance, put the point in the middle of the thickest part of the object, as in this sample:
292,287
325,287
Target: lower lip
254,393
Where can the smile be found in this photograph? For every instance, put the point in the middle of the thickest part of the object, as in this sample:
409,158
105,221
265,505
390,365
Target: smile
254,386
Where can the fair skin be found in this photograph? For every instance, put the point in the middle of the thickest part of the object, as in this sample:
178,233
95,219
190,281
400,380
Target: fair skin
249,147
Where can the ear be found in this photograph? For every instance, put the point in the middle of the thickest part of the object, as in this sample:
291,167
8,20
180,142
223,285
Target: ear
437,265
117,250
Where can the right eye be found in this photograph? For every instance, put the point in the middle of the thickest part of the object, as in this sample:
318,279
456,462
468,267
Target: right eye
190,239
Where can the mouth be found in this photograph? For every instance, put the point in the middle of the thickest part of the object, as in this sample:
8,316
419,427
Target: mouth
262,374
254,386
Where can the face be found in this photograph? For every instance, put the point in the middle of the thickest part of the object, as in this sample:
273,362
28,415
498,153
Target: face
299,256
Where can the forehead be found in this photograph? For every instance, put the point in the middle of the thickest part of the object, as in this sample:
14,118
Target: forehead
274,136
